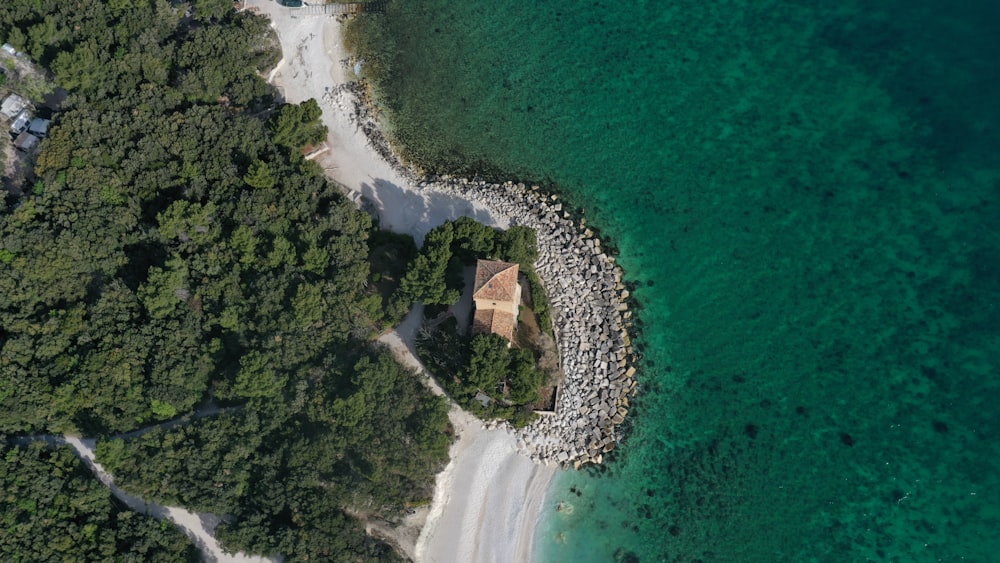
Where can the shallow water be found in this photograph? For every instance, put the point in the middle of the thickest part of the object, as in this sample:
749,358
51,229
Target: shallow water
807,197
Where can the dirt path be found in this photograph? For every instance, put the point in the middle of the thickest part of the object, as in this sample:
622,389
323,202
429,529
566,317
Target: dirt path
206,410
199,527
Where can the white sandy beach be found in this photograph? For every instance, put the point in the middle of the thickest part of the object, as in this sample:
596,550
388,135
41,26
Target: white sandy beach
488,499
312,68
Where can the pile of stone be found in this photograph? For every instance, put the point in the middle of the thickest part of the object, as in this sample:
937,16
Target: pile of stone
589,312
589,315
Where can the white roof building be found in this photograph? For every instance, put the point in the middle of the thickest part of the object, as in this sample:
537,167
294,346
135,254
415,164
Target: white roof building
21,122
12,105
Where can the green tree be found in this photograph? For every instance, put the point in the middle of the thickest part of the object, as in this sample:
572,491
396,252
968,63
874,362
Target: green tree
473,239
297,125
489,359
187,225
259,176
81,68
165,288
53,508
257,378
519,244
212,9
426,278
525,378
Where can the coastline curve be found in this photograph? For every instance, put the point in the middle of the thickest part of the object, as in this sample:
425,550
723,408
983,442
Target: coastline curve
584,284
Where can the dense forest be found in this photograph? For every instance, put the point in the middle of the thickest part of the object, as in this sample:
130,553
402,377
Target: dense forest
363,436
176,247
55,510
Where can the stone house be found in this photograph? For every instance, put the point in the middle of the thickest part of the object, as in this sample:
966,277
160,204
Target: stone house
496,294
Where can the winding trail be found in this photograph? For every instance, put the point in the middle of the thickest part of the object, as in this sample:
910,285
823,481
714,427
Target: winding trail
199,527
205,410
488,498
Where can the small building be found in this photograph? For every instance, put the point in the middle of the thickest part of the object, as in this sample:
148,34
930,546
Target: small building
12,105
20,123
39,127
10,49
496,294
547,399
26,142
483,399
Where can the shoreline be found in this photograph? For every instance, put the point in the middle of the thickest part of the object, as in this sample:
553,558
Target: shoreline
488,499
463,525
585,286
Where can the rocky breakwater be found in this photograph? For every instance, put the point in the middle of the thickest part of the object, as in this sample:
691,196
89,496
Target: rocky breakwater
590,317
589,311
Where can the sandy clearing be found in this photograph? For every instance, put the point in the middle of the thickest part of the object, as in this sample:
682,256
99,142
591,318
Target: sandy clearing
312,68
488,499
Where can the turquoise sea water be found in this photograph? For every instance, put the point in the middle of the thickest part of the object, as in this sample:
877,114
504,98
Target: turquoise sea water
807,198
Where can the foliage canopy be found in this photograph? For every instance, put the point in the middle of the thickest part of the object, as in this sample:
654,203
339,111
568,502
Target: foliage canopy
53,509
178,248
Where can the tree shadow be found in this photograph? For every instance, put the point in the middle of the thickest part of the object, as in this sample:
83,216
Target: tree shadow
417,212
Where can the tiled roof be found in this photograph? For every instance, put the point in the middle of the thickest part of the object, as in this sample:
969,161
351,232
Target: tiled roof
493,321
495,281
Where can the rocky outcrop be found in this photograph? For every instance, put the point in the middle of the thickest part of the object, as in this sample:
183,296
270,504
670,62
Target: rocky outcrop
589,316
589,313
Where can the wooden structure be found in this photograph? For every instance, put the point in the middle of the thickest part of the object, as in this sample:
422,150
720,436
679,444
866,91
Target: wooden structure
336,8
